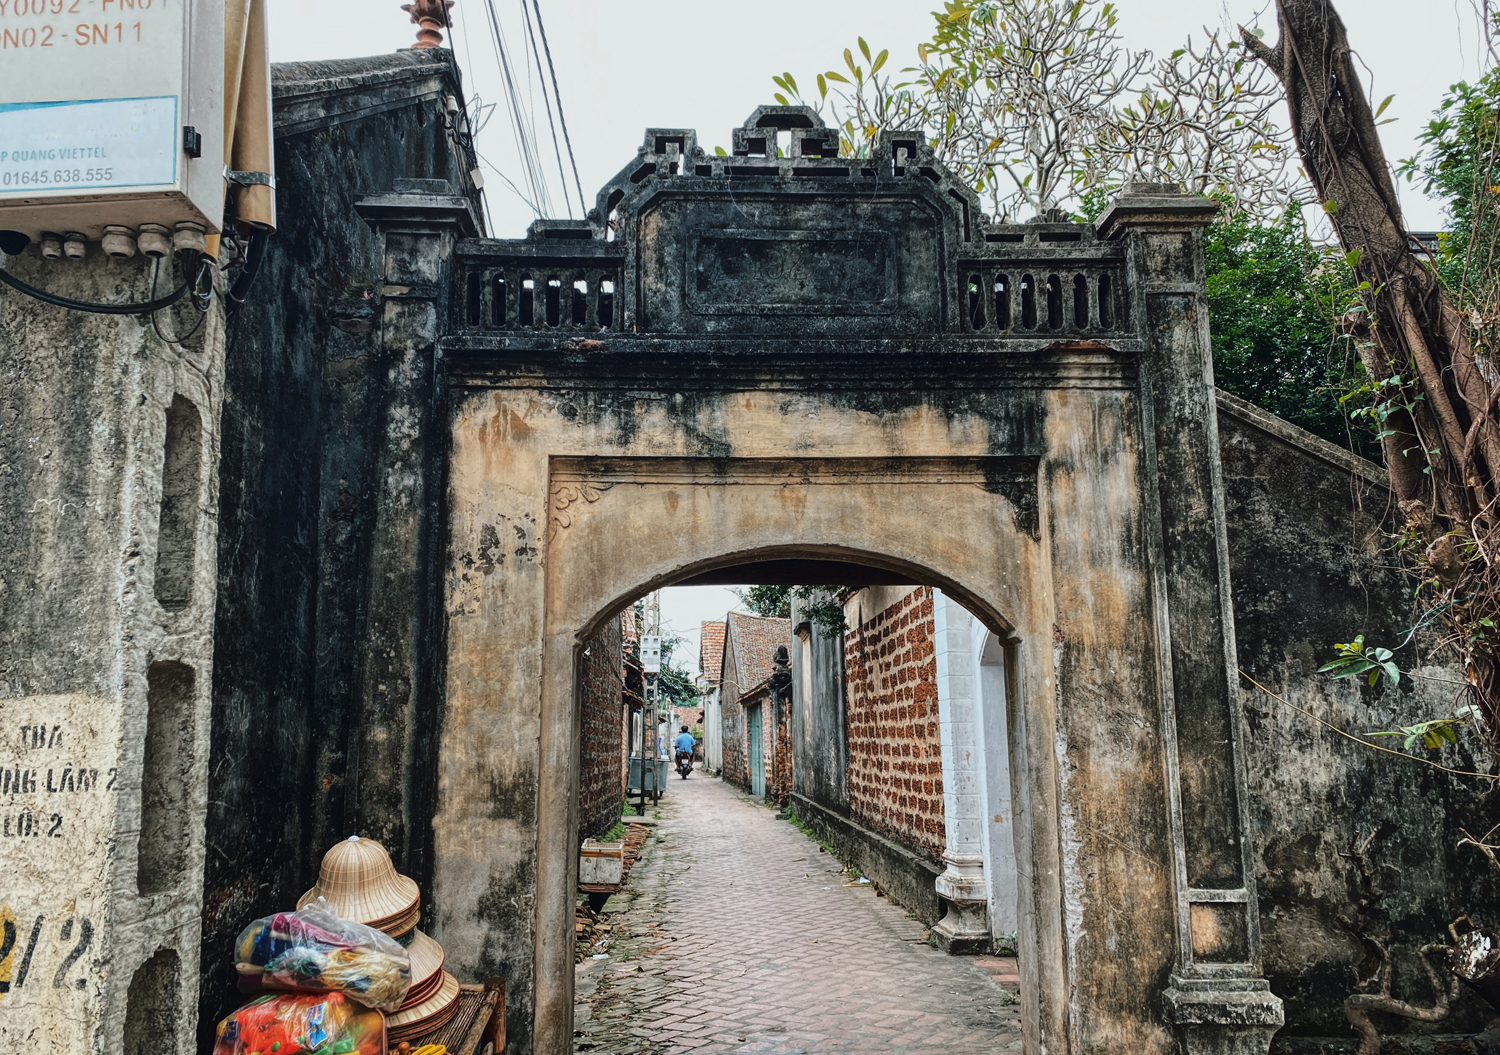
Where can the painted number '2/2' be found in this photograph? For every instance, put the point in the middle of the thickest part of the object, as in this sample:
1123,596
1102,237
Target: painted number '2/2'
8,946
86,935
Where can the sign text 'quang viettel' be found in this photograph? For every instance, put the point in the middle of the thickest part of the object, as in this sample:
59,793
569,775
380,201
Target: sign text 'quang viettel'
98,101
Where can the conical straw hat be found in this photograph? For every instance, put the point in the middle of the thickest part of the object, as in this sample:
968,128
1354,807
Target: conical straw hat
425,1017
420,995
396,926
426,961
359,883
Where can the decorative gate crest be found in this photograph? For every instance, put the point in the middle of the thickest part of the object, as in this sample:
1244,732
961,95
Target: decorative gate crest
713,327
786,238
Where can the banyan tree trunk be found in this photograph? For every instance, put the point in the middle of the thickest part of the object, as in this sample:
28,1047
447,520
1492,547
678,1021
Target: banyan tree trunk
1442,450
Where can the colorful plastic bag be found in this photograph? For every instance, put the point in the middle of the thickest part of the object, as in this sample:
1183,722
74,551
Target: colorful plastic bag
313,950
292,1023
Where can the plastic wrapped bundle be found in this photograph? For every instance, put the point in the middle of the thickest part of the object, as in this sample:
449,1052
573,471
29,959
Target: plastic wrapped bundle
313,950
291,1023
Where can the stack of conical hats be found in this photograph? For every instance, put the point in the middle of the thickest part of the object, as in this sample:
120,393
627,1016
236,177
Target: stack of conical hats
359,882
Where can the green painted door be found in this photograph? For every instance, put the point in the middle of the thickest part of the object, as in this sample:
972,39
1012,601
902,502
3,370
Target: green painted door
757,755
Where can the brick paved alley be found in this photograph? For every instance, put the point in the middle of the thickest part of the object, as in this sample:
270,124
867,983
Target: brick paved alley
736,934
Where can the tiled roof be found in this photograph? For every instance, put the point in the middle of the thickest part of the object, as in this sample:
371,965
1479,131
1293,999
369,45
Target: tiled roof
755,640
711,651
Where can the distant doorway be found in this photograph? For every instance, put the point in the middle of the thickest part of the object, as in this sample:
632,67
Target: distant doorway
757,753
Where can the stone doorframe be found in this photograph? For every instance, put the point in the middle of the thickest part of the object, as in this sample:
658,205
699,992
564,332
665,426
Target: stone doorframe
931,518
785,352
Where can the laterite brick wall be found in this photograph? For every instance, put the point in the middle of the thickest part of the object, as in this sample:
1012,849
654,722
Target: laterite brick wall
895,769
780,779
601,748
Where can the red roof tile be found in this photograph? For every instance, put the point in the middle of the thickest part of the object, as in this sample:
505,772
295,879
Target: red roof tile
711,651
755,640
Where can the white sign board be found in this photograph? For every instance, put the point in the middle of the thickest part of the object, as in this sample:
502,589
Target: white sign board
88,145
89,94
95,96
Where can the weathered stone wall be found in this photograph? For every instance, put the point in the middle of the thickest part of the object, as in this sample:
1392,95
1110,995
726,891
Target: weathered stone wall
733,722
819,739
308,392
601,741
1307,525
108,484
895,768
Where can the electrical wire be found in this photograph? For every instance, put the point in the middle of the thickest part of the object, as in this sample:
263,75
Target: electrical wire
254,257
156,325
525,136
546,102
155,304
582,201
508,182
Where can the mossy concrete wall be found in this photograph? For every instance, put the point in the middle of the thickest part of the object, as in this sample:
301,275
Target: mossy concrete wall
109,443
312,741
1309,543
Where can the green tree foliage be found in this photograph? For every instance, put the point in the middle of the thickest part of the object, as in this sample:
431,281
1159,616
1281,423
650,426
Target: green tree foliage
1460,163
771,602
775,602
1273,302
677,686
1033,102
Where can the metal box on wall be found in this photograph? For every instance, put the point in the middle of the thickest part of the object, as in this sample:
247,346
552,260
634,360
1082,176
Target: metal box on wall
111,112
656,776
601,864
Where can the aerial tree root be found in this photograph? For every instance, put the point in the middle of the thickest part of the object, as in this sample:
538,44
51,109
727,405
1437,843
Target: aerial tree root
1359,1006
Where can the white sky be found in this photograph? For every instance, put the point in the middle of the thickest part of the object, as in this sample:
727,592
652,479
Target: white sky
683,609
703,64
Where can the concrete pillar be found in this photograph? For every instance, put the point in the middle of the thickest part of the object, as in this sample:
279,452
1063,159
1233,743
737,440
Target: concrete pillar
997,825
1217,997
418,226
108,535
965,926
820,733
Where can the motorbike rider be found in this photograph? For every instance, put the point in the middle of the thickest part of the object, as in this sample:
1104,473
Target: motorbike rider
685,743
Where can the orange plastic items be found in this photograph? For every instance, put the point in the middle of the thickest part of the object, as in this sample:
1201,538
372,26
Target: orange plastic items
293,1023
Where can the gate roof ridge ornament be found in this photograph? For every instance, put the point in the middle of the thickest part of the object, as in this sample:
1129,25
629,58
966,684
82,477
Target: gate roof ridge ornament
792,236
1154,205
793,138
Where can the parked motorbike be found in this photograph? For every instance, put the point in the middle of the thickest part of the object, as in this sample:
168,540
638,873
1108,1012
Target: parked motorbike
684,763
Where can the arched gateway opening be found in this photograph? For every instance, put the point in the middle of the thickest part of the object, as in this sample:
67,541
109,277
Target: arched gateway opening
868,738
813,357
993,562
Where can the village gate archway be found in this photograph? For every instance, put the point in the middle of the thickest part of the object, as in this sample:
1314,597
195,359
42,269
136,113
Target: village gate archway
786,351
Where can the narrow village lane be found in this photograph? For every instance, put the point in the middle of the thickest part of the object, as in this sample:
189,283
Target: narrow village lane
737,934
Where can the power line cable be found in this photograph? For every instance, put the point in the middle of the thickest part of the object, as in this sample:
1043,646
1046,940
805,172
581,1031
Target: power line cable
466,135
539,199
509,183
193,265
556,147
582,201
